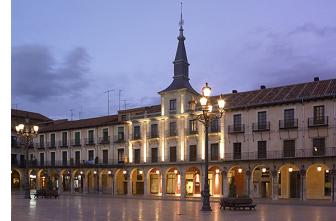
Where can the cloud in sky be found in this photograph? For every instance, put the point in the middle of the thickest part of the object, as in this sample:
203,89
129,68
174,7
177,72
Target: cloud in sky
38,76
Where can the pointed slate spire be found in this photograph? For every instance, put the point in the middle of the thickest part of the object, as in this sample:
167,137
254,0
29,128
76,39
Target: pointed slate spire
181,65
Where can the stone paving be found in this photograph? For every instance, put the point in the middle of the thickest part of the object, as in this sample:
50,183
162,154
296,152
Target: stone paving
96,208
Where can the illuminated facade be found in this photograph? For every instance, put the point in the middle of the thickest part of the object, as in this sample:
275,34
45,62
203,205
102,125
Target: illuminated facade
271,143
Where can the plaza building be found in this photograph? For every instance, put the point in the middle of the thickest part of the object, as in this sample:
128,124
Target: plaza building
272,143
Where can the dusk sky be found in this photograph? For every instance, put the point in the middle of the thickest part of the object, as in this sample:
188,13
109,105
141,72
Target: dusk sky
65,54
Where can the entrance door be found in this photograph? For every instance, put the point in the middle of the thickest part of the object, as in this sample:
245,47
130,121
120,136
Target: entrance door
190,187
264,189
294,184
139,187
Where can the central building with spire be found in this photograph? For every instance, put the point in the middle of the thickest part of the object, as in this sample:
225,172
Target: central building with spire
271,143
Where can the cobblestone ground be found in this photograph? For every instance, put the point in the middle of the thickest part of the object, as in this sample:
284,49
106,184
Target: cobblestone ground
108,208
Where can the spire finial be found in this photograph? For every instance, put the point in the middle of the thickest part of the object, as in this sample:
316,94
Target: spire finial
181,19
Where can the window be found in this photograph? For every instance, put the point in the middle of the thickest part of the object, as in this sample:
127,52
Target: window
192,153
77,138
120,133
154,155
318,146
262,149
91,137
105,135
289,118
64,139
237,122
52,140
52,158
289,148
105,156
319,114
171,183
90,153
172,129
172,105
172,154
136,155
123,117
41,141
154,131
214,125
64,158
214,151
192,126
120,155
41,159
136,132
77,157
236,151
262,119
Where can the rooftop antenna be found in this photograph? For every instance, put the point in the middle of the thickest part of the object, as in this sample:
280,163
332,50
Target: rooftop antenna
108,100
80,112
15,106
71,111
181,23
119,97
125,104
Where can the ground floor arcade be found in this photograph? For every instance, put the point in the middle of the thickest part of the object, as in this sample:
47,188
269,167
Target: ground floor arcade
304,180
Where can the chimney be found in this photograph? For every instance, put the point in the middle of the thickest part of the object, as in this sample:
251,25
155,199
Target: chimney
234,91
316,78
262,87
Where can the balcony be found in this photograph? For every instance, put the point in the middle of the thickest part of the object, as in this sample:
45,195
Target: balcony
76,143
120,138
63,144
318,122
104,140
190,132
153,135
51,145
261,126
136,136
288,124
238,128
89,141
214,129
40,145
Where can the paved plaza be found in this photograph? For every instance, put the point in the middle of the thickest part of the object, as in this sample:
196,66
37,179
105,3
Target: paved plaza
107,208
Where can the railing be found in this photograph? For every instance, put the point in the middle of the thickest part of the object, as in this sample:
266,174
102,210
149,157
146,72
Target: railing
318,122
288,124
238,128
40,145
141,116
261,126
191,132
63,144
104,140
153,135
76,143
214,129
136,136
172,133
120,138
89,141
50,145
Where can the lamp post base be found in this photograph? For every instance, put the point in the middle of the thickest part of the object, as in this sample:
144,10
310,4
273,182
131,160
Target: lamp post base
27,194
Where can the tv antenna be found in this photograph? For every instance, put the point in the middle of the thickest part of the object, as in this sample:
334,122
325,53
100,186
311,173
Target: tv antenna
71,113
119,94
108,100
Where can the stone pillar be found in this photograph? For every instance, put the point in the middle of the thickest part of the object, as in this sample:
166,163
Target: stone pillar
145,184
333,184
163,181
100,182
275,184
225,184
248,183
183,186
129,185
85,184
303,183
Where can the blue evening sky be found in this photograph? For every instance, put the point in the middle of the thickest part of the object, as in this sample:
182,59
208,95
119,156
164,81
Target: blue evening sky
71,51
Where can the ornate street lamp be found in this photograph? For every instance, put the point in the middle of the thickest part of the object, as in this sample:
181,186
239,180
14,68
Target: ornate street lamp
27,132
208,113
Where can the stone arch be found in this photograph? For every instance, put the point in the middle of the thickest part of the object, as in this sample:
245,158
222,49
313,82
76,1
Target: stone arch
261,186
16,180
193,181
318,181
121,179
289,181
215,180
173,181
154,179
137,179
32,179
236,179
65,175
106,181
78,180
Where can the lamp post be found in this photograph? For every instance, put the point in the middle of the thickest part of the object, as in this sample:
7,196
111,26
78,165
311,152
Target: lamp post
27,132
208,113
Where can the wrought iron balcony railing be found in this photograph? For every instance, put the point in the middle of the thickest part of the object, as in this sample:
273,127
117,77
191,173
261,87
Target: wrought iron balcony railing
318,121
261,126
236,128
288,124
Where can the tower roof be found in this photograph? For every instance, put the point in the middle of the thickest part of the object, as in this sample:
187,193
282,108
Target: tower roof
181,65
